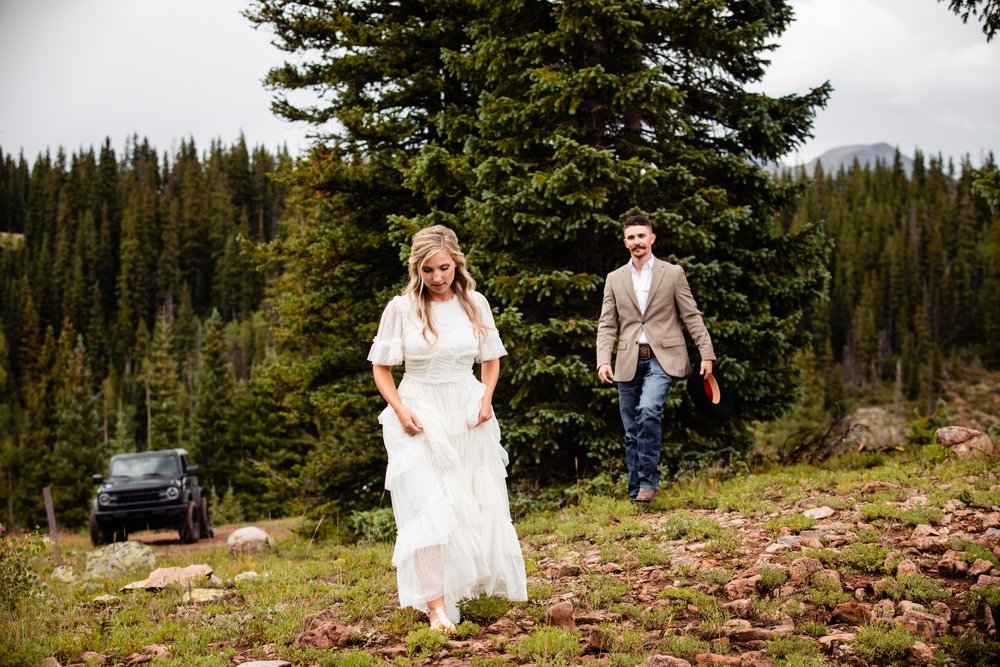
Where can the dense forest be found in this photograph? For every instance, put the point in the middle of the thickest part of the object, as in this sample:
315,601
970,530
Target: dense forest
132,319
224,301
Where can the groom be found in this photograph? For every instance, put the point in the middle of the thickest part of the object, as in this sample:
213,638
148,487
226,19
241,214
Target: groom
645,303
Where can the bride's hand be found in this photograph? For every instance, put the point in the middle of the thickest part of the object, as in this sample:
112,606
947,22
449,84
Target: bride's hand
409,421
485,411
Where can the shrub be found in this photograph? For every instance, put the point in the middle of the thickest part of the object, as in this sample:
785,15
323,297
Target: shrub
424,642
17,581
686,526
922,514
815,629
795,523
883,642
880,511
914,588
603,590
975,551
988,594
376,525
864,557
771,579
782,647
715,576
548,645
685,646
484,609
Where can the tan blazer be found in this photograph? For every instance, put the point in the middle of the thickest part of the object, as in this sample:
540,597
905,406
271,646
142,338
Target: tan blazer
669,305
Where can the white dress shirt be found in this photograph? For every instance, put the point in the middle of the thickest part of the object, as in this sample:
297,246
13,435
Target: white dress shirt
641,281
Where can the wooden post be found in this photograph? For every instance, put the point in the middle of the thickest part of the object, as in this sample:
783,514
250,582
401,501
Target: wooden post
53,531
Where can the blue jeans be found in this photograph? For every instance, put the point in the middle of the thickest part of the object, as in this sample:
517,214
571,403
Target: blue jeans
640,401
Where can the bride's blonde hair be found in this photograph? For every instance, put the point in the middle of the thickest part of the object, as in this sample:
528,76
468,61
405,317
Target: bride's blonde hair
427,243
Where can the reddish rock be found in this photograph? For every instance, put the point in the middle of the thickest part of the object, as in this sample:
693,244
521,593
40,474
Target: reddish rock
755,659
884,609
744,635
922,623
504,626
740,608
561,615
952,565
920,654
664,661
986,580
827,579
566,570
742,588
981,566
801,569
324,630
906,567
830,642
716,659
875,487
599,640
852,613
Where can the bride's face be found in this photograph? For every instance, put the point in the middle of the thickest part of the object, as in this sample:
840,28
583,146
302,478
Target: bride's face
438,273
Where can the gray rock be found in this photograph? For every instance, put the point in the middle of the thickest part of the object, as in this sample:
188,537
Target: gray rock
246,575
110,560
197,595
966,443
823,512
164,576
64,573
249,539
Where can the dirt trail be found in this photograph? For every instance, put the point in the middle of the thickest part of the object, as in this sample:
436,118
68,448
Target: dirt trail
168,543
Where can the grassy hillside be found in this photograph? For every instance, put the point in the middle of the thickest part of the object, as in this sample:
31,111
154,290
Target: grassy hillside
899,566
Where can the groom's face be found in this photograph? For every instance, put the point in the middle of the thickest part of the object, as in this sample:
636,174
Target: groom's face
639,241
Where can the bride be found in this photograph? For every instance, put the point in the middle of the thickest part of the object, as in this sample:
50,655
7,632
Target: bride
447,470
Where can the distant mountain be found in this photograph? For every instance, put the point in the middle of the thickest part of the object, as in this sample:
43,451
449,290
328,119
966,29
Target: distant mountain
835,158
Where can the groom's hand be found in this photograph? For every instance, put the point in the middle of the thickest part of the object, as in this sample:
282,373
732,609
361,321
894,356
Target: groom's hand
605,374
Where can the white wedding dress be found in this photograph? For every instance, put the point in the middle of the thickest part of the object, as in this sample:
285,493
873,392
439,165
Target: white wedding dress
448,484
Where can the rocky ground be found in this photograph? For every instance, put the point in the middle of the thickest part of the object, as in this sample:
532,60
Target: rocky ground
880,566
821,587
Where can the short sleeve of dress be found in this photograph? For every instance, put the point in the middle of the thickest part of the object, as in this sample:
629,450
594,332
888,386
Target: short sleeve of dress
490,347
387,347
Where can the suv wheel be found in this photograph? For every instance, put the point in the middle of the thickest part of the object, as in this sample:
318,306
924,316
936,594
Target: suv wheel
97,535
190,528
206,523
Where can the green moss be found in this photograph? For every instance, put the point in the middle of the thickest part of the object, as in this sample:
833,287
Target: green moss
881,642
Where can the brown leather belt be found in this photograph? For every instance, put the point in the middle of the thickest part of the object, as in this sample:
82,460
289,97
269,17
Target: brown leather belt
645,351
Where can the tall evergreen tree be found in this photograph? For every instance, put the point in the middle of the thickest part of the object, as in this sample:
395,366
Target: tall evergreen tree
165,395
79,450
533,128
212,424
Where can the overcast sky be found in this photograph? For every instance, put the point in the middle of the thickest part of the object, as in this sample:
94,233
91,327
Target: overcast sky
72,72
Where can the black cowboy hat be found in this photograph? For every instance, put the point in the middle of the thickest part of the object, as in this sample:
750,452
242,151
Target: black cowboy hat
709,396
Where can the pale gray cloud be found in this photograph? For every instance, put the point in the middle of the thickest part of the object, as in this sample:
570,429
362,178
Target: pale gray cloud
73,72
906,72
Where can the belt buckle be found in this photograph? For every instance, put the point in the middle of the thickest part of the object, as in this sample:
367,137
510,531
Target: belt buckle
645,352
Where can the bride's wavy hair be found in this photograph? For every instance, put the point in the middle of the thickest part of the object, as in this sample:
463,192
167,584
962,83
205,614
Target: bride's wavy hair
427,243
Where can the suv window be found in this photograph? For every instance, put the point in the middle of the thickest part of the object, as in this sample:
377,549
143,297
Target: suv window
146,466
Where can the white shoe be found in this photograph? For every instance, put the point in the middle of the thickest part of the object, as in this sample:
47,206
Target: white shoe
440,621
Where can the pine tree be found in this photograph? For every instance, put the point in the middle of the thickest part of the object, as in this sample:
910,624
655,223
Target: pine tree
212,424
533,129
165,392
79,449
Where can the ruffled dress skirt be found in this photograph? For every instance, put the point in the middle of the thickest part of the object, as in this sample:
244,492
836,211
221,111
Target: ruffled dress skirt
449,495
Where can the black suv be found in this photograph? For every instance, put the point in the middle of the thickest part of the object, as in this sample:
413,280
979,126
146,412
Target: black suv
146,490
